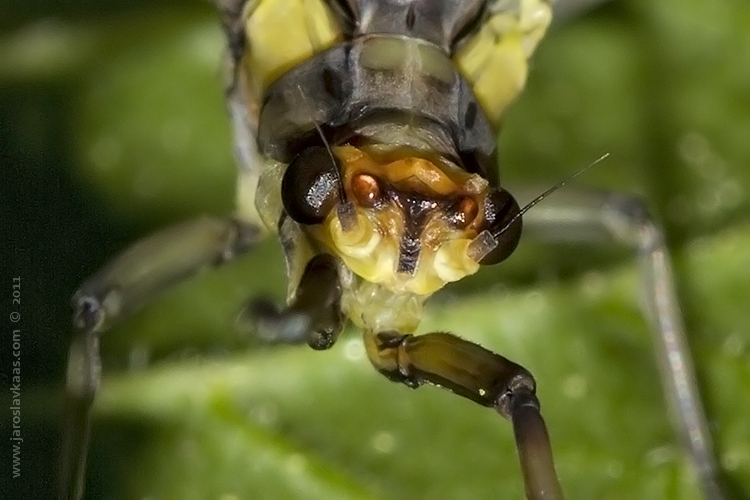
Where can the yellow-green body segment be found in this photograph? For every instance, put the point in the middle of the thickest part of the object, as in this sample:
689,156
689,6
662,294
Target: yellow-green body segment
433,78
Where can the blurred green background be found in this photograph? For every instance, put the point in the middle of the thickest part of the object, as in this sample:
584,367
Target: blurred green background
112,124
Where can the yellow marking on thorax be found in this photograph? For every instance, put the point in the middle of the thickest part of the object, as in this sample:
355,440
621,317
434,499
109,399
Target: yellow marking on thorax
283,33
495,60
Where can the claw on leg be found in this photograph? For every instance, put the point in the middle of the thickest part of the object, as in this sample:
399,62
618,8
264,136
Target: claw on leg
314,316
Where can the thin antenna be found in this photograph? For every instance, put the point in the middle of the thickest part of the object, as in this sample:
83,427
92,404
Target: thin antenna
342,191
551,190
345,211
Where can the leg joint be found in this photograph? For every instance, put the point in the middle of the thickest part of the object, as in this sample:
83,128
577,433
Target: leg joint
628,219
519,390
386,351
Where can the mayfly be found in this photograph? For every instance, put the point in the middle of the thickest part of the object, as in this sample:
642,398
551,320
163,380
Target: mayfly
366,136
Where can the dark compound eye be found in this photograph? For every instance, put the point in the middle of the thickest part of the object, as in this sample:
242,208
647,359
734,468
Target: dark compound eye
310,187
499,209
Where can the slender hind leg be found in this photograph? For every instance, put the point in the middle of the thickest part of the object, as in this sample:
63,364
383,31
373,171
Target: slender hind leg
158,261
482,376
128,281
580,216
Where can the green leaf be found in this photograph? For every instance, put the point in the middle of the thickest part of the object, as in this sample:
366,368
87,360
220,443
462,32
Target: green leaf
191,409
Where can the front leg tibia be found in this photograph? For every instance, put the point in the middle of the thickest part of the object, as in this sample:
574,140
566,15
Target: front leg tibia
462,367
314,315
487,378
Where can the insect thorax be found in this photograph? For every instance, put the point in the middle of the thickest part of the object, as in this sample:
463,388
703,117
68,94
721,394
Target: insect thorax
429,79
